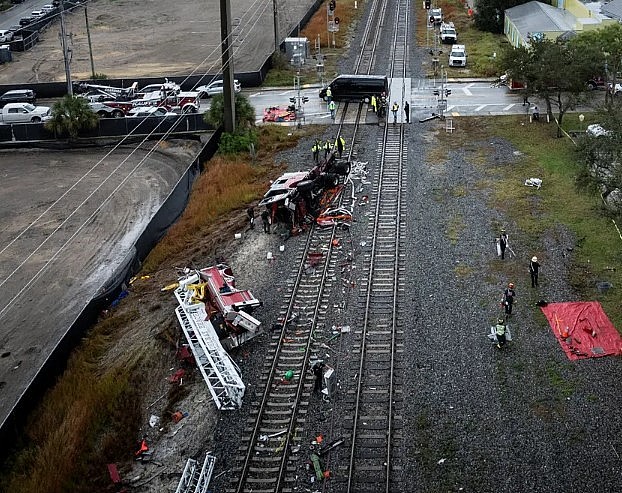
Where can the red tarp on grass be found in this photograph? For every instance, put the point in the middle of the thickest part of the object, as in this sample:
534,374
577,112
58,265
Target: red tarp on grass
583,329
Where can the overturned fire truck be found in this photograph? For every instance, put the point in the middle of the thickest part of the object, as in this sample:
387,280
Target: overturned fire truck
297,199
215,316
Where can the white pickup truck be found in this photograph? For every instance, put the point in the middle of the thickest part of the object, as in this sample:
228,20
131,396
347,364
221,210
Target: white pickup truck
24,113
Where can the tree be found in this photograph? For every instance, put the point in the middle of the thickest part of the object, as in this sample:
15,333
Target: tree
490,14
556,71
607,44
70,115
244,113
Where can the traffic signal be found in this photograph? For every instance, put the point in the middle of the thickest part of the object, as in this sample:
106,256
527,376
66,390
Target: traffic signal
428,4
431,19
447,92
305,99
292,100
331,5
336,21
436,93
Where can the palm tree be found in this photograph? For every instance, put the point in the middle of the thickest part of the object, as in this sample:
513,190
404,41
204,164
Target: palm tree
70,115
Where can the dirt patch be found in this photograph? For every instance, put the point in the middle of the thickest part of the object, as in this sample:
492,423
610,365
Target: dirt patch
153,38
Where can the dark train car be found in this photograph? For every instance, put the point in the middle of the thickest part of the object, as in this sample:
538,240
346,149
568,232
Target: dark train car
355,88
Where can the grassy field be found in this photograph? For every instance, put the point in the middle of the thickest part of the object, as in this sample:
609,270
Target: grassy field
563,200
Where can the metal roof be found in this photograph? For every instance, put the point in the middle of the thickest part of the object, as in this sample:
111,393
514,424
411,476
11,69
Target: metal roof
536,17
613,9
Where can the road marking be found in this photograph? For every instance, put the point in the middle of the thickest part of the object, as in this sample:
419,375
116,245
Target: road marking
466,91
255,95
480,107
455,113
449,108
284,93
509,106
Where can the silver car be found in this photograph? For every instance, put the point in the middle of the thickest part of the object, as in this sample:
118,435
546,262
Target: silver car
215,87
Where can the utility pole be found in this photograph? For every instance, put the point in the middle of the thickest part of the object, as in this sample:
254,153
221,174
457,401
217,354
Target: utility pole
88,35
63,40
276,26
227,67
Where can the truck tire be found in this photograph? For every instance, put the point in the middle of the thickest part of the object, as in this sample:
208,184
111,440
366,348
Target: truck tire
36,119
189,108
118,114
102,114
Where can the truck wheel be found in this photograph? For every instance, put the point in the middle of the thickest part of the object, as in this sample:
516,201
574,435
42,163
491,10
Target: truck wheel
189,109
102,114
36,119
117,114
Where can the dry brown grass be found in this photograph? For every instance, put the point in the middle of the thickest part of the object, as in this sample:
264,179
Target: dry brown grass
228,185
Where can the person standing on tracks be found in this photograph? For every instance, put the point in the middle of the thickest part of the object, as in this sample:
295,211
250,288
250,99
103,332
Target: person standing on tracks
508,299
534,267
250,212
316,151
374,104
318,372
407,111
328,146
394,110
332,107
340,143
265,218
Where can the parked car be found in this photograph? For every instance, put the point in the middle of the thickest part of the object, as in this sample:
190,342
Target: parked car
6,35
169,87
437,15
37,14
16,30
150,111
24,21
216,87
105,111
24,113
17,1
48,8
18,96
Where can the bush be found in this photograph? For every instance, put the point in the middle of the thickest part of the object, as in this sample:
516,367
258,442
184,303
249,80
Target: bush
237,143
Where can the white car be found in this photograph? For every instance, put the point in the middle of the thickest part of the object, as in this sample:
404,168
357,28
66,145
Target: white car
38,13
150,111
5,36
215,87
48,8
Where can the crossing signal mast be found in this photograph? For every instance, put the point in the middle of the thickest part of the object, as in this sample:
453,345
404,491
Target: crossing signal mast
332,22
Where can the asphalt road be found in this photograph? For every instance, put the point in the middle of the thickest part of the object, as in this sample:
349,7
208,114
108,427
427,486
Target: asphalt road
60,243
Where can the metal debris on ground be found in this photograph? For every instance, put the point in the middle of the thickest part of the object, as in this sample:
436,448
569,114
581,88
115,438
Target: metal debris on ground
533,182
195,478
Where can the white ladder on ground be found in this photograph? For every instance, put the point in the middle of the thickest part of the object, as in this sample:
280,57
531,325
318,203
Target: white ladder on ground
220,373
195,479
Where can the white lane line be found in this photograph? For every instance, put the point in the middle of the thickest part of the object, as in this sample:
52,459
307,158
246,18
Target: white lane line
255,95
466,91
449,108
480,107
284,93
508,107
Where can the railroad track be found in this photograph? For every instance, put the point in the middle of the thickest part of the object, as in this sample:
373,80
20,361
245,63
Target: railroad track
272,446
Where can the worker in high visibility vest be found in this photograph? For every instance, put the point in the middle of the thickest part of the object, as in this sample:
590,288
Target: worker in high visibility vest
316,150
374,104
328,146
329,95
340,144
332,107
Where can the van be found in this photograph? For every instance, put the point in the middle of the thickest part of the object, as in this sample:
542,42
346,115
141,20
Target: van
458,56
355,88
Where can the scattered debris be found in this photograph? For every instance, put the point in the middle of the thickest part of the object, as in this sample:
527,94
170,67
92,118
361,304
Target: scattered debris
533,182
177,416
196,478
154,420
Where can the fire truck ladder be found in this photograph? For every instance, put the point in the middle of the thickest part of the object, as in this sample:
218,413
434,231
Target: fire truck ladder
219,371
195,480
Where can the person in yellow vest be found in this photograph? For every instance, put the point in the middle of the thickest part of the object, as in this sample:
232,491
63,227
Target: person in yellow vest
394,110
329,95
374,104
340,144
328,146
332,107
500,333
316,150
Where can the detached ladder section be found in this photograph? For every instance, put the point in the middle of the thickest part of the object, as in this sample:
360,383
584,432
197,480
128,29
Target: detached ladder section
219,371
195,479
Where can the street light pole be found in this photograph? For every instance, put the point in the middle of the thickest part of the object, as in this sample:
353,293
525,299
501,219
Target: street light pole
88,35
276,25
63,40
